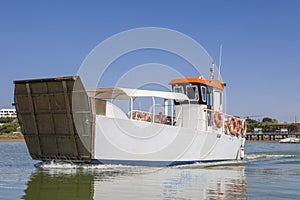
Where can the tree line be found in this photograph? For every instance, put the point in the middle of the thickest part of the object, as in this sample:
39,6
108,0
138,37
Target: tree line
8,125
271,125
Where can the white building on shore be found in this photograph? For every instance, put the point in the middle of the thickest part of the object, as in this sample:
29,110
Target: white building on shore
8,112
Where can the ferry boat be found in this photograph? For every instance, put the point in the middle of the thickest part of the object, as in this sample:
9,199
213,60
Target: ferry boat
63,121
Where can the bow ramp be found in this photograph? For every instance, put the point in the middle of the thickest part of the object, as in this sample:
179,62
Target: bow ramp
56,118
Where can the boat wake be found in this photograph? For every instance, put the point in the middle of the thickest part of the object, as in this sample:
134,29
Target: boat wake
64,165
73,167
200,165
264,156
54,167
248,158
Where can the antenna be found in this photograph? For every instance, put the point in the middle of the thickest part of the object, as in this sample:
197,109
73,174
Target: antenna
220,61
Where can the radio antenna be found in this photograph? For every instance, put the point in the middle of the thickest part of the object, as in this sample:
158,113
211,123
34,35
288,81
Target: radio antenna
220,61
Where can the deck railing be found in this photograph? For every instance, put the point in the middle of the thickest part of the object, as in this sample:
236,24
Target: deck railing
210,122
160,118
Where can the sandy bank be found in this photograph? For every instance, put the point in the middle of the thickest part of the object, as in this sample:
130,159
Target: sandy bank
12,137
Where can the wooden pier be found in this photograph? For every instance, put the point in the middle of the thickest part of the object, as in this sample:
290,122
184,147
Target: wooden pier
270,136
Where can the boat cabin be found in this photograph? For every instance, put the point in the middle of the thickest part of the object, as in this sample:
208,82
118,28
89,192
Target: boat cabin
200,91
205,99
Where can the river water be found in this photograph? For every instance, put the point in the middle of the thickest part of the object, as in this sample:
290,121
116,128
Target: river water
270,171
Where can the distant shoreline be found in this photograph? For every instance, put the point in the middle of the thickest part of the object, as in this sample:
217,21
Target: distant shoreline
18,137
262,141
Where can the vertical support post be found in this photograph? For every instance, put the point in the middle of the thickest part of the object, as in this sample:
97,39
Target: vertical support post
153,109
172,112
131,107
166,106
93,106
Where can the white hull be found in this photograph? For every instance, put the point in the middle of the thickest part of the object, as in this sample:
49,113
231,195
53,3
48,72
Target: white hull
125,141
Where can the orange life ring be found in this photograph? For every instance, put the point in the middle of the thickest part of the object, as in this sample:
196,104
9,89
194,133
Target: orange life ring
226,129
218,119
244,129
239,127
229,128
235,127
232,126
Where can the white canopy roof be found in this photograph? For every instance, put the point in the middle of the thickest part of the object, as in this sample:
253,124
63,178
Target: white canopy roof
127,94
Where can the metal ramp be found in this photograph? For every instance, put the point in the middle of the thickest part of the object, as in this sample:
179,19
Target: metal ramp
56,118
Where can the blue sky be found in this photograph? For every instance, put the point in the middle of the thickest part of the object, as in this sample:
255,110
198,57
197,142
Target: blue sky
260,39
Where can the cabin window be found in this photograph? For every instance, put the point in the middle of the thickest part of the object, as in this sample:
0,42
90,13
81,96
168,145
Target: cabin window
178,89
192,92
203,93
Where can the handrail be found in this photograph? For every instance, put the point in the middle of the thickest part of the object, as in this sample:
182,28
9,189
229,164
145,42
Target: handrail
146,116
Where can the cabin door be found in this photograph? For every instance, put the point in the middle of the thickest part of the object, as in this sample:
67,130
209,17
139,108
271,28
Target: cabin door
217,101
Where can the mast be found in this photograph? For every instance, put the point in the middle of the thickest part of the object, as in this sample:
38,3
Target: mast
212,71
220,61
